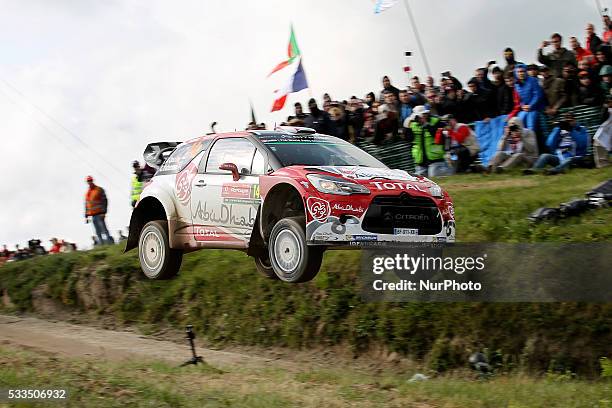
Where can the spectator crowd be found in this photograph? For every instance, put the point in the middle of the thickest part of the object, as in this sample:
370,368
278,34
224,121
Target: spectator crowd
439,119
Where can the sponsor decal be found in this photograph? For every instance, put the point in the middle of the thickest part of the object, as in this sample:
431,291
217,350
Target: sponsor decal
449,227
406,231
318,208
237,190
449,212
211,233
242,201
322,236
183,181
363,237
348,207
225,215
388,185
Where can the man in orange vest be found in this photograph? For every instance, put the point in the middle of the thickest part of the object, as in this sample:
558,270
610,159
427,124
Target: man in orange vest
95,207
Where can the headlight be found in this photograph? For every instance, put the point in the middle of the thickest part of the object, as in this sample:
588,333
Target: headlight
334,185
435,191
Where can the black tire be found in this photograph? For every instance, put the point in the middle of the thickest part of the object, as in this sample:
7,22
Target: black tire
162,261
263,265
292,260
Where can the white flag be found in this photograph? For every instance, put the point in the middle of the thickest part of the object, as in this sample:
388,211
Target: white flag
382,5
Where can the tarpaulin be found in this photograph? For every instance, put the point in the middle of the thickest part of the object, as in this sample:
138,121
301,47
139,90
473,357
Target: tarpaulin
488,134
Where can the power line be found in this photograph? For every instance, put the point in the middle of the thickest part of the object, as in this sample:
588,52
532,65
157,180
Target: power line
418,37
71,133
56,137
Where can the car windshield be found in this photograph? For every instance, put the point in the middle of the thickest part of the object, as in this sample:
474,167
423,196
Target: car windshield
317,150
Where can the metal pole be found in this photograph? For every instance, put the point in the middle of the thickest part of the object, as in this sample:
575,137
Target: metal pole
418,38
599,8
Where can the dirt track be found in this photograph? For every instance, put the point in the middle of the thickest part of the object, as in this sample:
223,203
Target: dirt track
81,341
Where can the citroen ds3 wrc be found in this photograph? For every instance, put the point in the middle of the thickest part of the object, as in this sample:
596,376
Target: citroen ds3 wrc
283,197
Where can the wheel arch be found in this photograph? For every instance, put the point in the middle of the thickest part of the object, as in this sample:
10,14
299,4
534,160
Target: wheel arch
148,209
282,200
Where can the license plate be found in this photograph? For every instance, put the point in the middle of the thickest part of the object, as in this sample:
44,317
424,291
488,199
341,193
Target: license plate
405,231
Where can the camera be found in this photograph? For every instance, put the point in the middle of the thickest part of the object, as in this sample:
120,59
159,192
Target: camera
513,128
564,125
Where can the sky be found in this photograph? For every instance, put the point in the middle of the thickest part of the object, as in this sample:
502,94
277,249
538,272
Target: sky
85,85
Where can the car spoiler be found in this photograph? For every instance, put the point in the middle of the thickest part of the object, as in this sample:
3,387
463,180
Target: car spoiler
155,154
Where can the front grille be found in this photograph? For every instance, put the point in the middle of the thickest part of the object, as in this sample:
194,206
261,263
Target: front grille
402,211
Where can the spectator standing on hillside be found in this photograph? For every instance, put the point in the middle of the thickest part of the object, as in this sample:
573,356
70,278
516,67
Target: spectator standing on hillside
319,120
568,143
517,147
571,85
428,155
508,102
56,246
582,54
510,61
96,205
456,83
554,90
530,97
449,104
605,83
137,183
355,118
387,87
405,109
607,31
559,56
593,42
299,112
588,93
475,104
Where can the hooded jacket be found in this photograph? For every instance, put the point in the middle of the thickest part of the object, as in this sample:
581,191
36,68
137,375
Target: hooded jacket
530,92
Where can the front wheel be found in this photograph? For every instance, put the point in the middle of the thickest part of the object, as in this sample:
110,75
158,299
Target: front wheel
264,266
157,259
292,260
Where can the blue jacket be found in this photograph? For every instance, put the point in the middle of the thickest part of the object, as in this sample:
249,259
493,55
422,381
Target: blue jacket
579,136
530,92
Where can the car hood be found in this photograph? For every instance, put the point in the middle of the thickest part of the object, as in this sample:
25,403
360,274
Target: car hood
363,175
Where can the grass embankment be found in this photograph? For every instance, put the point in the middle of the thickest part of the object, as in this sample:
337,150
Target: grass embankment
107,384
220,293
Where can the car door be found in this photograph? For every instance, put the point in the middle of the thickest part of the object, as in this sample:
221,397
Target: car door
224,210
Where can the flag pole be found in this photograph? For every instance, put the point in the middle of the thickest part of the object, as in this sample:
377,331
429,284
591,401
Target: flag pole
418,38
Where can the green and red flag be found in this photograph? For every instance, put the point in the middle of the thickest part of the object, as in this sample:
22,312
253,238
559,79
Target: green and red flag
293,52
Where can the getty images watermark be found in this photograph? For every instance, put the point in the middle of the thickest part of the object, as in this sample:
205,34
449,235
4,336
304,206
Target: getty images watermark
438,272
403,262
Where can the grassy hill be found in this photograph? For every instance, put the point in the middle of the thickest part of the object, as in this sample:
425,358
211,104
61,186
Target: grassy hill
221,294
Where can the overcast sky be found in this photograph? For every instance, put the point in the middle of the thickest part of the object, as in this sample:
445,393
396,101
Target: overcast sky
116,75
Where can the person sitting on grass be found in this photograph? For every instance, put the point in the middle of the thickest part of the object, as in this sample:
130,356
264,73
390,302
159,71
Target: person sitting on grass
517,146
569,142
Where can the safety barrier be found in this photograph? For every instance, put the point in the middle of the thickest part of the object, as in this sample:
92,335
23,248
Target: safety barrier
398,154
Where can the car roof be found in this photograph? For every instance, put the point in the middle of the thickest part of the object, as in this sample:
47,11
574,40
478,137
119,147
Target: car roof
286,131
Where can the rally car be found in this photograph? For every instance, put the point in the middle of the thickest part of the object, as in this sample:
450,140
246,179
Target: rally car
283,197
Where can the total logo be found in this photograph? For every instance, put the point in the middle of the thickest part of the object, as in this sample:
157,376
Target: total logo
398,186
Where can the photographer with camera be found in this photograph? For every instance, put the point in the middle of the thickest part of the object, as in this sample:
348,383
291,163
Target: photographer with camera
517,146
460,143
420,130
569,142
559,56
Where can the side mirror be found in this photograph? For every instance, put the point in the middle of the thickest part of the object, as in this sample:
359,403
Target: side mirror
231,167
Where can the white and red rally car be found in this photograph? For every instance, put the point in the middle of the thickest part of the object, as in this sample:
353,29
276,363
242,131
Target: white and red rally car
282,196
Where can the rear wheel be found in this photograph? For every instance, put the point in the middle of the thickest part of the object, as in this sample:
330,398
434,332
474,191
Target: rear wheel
291,259
157,259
